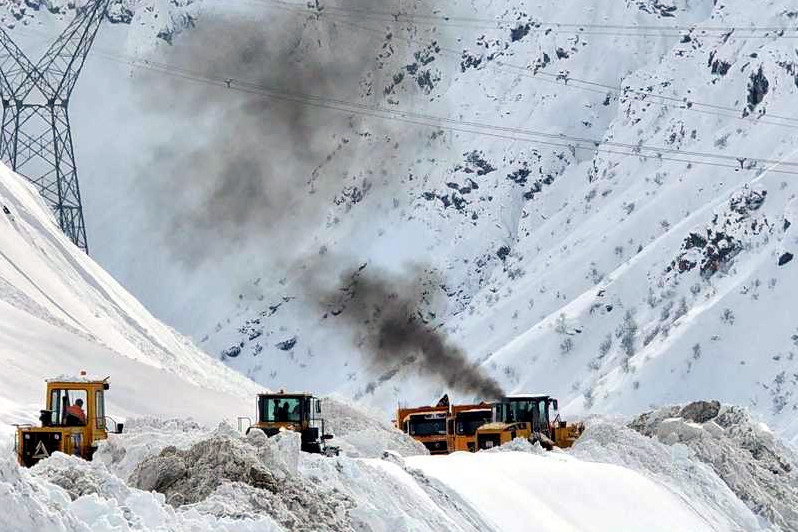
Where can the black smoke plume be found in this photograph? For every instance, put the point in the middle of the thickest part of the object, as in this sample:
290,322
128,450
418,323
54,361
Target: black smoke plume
387,313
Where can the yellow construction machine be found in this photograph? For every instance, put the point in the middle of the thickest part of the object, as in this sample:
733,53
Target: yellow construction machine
426,424
534,417
73,422
298,412
462,425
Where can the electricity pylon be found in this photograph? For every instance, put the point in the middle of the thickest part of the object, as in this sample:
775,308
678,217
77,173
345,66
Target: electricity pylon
36,140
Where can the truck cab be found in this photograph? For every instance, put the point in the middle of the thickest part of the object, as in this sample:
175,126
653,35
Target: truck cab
298,412
427,425
73,421
463,424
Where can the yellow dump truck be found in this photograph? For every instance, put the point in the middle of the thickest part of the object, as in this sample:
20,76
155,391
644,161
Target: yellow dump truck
426,424
462,425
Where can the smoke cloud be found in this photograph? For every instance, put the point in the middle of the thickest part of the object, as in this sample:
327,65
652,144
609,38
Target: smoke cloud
241,166
387,313
242,169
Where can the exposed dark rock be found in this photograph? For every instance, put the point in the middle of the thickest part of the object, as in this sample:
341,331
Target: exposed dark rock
724,238
232,351
785,258
503,252
477,162
720,68
287,345
520,176
469,60
655,7
745,203
695,240
518,33
757,89
700,411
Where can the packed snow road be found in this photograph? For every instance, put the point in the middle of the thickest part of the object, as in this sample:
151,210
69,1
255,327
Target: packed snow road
518,491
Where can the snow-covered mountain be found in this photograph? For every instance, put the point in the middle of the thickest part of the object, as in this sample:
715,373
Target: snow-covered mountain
60,312
591,200
163,19
596,202
585,199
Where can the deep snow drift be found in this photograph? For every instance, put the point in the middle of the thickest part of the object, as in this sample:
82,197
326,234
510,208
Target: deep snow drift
724,437
614,478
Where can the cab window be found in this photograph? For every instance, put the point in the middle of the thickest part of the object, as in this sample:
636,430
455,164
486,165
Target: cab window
427,425
469,422
99,409
543,417
68,407
278,410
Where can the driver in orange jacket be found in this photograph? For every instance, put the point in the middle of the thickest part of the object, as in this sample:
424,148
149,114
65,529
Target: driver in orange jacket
77,410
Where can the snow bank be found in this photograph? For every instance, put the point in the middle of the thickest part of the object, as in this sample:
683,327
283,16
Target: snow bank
178,475
145,437
360,433
226,475
757,467
244,477
692,481
68,494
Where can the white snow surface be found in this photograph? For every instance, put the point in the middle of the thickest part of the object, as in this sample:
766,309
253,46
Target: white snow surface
576,495
62,313
628,483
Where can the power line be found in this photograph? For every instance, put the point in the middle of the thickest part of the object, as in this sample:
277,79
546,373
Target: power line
566,80
472,127
504,132
534,25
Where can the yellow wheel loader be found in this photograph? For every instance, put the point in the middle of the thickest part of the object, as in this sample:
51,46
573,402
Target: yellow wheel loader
72,423
298,412
534,417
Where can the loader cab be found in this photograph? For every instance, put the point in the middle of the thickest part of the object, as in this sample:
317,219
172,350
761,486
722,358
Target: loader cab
73,421
533,409
291,412
300,412
518,416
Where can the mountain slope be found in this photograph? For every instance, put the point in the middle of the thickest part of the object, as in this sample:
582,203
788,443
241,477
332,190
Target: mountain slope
615,232
61,313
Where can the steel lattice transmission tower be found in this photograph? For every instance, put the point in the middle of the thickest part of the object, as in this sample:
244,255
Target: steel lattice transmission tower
36,140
